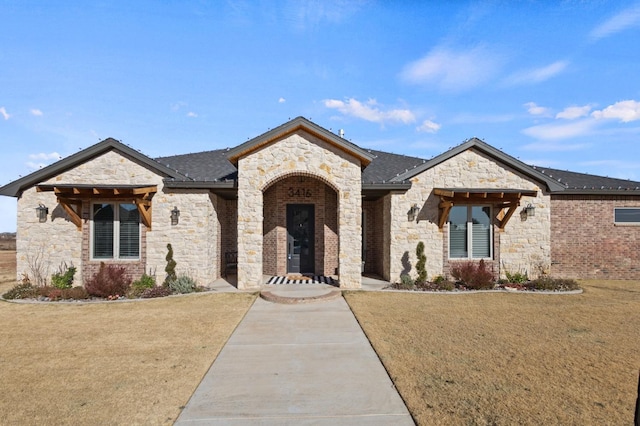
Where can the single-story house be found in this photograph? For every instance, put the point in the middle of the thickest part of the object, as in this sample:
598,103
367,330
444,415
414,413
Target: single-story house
302,199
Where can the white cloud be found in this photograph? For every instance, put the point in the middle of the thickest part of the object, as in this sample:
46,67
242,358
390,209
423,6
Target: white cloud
36,112
626,19
4,113
282,100
370,111
573,112
191,114
537,75
560,131
453,70
535,109
552,147
45,156
624,111
178,105
429,126
42,159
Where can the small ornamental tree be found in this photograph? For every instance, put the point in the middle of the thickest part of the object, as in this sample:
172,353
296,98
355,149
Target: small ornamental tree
420,265
171,266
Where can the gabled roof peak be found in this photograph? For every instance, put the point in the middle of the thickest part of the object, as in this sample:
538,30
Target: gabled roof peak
16,187
299,123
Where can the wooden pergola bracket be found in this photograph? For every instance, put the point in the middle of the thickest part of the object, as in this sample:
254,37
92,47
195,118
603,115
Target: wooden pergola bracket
505,200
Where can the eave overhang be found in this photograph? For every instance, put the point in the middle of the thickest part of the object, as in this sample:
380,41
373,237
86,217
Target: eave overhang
374,191
227,189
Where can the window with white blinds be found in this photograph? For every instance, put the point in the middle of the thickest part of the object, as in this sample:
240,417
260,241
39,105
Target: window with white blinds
470,232
115,231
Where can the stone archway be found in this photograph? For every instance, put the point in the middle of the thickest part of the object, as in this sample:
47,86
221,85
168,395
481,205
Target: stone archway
298,153
299,190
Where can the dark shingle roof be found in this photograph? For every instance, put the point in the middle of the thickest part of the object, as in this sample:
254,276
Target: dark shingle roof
203,166
386,166
585,183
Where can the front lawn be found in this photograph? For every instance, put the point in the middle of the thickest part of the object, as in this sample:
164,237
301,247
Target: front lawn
505,358
110,363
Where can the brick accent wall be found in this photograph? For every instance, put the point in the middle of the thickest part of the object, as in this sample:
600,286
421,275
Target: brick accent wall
134,268
585,243
374,235
299,189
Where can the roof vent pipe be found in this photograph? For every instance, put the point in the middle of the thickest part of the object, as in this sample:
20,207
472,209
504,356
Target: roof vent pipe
341,133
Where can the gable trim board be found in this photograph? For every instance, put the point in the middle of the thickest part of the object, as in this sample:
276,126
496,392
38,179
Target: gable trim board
361,200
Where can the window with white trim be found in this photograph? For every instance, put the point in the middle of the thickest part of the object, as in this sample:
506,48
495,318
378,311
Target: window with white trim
470,232
626,215
115,231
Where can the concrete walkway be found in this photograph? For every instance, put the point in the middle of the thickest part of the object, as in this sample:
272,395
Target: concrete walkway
302,364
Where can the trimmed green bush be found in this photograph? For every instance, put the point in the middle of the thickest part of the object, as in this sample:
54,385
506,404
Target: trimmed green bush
170,269
139,286
420,265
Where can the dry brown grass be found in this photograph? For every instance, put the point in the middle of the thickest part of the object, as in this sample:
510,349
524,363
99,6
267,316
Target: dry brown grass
510,358
108,363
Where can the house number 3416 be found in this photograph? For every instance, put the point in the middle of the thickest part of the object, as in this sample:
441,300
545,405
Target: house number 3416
299,192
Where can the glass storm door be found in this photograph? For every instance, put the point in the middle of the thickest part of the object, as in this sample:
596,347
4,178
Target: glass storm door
300,238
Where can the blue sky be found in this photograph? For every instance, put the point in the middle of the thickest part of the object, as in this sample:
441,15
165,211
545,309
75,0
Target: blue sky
554,84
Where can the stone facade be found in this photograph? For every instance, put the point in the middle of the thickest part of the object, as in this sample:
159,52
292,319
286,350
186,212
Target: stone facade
524,245
298,153
587,243
570,235
196,240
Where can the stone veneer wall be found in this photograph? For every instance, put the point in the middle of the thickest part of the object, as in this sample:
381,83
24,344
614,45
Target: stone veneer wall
298,153
587,244
195,239
299,189
524,245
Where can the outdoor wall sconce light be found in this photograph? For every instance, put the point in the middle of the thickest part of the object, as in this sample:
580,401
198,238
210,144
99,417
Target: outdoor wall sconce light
175,214
42,211
413,213
530,210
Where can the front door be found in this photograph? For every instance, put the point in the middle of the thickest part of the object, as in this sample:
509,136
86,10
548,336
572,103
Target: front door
300,238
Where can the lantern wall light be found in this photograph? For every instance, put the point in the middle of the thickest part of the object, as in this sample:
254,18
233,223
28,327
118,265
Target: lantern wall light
530,210
42,211
175,214
413,213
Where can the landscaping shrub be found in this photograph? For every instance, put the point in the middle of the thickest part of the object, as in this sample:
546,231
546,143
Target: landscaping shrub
110,280
157,291
553,284
75,293
420,265
406,283
170,269
23,290
141,285
64,277
473,275
183,284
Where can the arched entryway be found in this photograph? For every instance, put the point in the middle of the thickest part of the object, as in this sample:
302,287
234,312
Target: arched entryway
300,228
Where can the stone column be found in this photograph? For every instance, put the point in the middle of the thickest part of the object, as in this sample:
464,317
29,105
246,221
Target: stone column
249,233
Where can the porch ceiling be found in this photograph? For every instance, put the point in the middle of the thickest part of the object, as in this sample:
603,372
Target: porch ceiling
70,197
505,200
